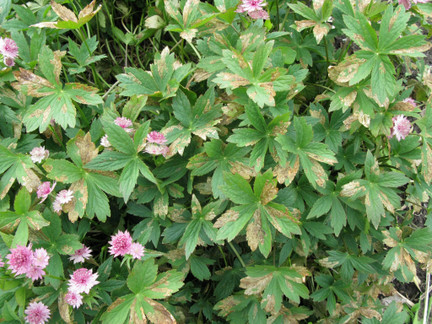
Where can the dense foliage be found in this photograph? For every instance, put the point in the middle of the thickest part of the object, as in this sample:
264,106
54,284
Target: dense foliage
274,159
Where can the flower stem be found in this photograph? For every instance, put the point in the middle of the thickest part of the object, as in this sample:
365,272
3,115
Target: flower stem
237,254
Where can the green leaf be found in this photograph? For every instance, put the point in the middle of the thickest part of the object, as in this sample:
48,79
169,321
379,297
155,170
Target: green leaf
118,311
67,244
109,161
199,267
119,138
22,201
190,236
62,171
128,178
143,274
238,189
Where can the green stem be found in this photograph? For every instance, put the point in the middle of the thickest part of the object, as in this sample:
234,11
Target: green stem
195,50
237,255
223,256
56,136
83,116
277,14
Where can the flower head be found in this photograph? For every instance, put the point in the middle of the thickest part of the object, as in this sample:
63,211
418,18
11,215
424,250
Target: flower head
120,243
9,61
156,149
81,255
41,258
137,251
64,196
251,5
20,259
401,127
44,190
104,141
73,298
57,206
82,280
34,272
124,123
38,154
156,137
8,48
37,313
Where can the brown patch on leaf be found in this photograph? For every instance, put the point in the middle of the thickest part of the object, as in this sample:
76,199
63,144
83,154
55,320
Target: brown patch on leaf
302,24
31,84
63,308
269,192
255,285
254,232
229,216
243,170
351,188
342,73
286,173
76,207
319,171
87,149
319,31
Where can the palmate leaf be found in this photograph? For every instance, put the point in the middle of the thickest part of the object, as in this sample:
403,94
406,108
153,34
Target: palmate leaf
68,19
145,285
199,119
309,153
262,137
22,219
272,283
163,79
89,186
16,166
57,100
218,158
256,210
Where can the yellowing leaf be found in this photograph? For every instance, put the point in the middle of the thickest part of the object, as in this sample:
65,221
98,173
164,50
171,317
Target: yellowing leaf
229,216
269,192
254,232
286,173
68,19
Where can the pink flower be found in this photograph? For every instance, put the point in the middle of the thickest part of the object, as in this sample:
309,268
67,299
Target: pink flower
251,5
37,313
407,3
35,273
410,101
124,123
120,243
74,299
156,137
64,196
82,280
44,190
38,154
401,127
137,251
41,258
8,47
81,255
156,149
9,61
20,259
57,206
104,141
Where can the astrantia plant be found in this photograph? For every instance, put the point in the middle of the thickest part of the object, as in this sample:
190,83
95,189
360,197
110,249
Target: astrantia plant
228,161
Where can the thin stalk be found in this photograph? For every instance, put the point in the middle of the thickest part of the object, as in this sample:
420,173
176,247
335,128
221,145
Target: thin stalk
195,50
237,255
426,304
83,116
277,14
223,256
56,136
110,89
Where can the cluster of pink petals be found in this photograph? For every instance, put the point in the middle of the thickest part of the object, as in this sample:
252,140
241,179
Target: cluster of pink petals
156,144
407,3
156,137
81,255
82,280
124,123
254,9
44,190
74,299
38,154
9,51
401,127
104,141
22,260
63,197
37,313
121,244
